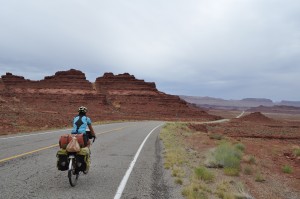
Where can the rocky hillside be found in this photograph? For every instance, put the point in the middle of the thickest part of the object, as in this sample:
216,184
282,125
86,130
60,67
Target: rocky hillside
53,101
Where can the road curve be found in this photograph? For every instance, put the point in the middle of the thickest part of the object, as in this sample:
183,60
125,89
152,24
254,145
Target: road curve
28,164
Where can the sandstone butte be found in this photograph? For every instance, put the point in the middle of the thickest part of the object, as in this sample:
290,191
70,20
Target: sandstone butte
53,101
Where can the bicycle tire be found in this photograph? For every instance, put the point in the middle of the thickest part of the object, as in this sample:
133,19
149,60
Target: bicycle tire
72,175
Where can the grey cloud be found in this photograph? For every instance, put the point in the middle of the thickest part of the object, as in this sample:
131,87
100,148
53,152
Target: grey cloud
222,48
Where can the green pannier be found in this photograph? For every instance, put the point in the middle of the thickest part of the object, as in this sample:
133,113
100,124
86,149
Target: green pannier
83,157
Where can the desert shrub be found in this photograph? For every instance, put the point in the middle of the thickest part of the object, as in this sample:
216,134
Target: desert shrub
227,156
216,136
225,195
287,169
179,181
223,191
247,170
259,177
193,192
231,171
231,161
177,172
204,174
296,152
239,146
252,160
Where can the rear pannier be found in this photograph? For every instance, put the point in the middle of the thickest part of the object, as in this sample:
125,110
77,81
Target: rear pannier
62,160
83,158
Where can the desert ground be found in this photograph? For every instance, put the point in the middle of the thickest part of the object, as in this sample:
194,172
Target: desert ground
270,165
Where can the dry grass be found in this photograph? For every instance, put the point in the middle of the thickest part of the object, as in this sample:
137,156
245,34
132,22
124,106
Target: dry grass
287,169
296,152
187,165
204,174
259,177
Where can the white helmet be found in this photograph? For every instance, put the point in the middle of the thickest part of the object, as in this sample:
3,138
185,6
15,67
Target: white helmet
82,109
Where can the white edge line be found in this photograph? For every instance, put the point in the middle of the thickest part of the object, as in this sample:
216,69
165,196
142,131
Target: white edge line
129,170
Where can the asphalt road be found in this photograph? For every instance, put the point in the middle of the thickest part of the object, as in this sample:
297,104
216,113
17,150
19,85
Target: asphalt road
28,165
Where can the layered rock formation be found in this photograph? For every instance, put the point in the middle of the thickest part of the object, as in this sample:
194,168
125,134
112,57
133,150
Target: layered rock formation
71,80
53,101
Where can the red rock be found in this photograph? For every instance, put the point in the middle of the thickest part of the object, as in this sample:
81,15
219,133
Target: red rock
255,117
110,97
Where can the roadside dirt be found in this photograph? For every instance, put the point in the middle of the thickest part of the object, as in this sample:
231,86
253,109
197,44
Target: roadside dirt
269,146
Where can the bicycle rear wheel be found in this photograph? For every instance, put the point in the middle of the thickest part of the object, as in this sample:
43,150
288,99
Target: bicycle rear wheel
72,174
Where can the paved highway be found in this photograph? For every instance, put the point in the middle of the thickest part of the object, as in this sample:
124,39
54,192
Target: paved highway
126,163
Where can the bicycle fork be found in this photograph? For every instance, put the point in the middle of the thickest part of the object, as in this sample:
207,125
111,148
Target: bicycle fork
71,157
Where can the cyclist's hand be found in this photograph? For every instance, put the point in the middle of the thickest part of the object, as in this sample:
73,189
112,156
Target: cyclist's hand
94,138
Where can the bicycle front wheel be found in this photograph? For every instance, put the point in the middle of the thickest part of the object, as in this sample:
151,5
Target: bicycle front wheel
72,174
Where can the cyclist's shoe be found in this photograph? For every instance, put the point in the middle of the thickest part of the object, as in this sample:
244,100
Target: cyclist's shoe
86,171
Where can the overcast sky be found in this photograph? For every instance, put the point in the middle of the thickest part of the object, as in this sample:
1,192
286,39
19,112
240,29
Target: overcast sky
231,49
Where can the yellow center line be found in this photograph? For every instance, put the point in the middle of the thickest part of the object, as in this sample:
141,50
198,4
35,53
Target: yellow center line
54,145
27,153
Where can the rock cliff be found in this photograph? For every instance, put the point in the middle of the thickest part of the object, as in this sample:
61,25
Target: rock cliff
71,80
53,101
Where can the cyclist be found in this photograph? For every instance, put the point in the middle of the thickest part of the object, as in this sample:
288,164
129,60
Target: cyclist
81,122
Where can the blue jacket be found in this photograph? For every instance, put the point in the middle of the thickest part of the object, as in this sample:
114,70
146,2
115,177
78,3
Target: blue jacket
80,123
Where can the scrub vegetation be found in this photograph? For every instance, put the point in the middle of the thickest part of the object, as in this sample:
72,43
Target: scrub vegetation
296,152
211,177
287,169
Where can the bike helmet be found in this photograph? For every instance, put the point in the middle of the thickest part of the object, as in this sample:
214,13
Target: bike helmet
82,109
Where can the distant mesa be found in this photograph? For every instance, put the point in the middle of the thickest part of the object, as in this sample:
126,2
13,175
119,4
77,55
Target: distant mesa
260,100
276,109
244,104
